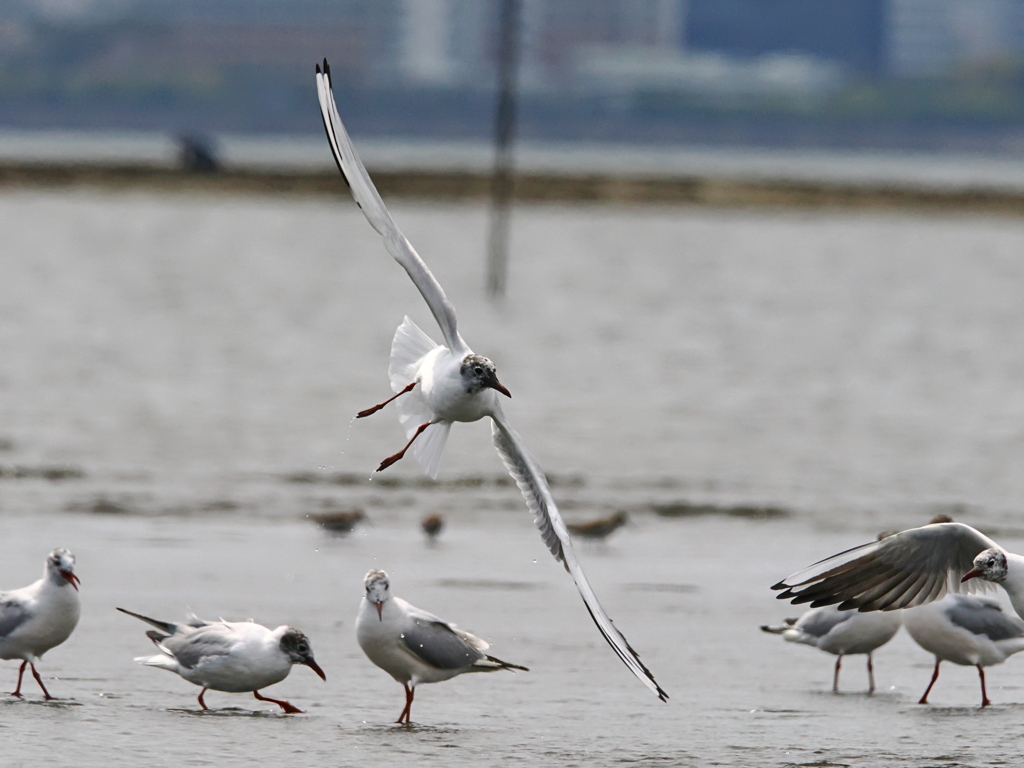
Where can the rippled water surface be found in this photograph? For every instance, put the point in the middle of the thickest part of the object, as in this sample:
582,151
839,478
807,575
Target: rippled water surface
177,381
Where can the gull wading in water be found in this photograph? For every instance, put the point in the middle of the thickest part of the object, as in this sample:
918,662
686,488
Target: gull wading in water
437,385
414,646
967,630
231,656
910,568
841,633
41,616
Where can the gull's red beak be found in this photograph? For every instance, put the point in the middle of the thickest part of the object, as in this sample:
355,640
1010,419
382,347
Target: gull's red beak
316,668
970,575
380,610
501,388
72,578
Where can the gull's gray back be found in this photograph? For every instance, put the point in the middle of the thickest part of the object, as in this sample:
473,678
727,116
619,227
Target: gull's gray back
981,616
818,623
190,648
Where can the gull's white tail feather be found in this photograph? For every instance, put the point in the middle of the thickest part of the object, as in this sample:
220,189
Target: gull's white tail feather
408,348
164,662
429,447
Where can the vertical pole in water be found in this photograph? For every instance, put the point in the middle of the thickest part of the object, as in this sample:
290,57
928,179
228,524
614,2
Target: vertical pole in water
503,178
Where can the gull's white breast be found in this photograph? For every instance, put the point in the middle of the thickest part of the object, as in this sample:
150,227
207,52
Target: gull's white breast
444,389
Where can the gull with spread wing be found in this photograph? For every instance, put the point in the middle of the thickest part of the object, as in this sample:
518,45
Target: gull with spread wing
436,385
910,568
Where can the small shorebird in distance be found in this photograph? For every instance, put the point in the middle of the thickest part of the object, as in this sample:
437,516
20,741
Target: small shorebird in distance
967,630
601,528
414,646
41,616
437,385
841,633
231,656
432,525
340,522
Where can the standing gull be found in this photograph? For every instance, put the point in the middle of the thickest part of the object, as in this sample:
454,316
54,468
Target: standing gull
967,630
437,385
414,646
232,656
41,616
842,633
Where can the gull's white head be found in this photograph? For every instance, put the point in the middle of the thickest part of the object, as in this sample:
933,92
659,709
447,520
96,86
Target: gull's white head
990,565
60,565
479,373
378,589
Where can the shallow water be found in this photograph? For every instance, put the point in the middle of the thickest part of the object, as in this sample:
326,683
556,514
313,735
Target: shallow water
178,379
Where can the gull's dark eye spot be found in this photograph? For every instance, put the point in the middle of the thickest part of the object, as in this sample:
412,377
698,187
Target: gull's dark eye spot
478,370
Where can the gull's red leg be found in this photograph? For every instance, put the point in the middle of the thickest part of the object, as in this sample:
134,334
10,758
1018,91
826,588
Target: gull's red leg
984,696
407,712
39,680
392,459
21,671
871,675
201,702
377,407
935,676
291,709
835,676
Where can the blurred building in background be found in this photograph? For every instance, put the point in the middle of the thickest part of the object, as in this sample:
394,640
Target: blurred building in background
647,70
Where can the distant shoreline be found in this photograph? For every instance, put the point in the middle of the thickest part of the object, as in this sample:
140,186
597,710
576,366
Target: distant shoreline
690,189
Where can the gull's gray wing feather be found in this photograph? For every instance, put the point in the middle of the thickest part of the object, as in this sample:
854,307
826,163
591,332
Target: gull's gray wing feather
910,568
439,644
194,646
372,206
534,487
981,616
13,613
818,623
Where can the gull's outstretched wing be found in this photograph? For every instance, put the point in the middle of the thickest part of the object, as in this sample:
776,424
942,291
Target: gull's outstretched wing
909,568
369,201
534,486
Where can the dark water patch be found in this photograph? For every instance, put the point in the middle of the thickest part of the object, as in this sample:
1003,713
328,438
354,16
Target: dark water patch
28,701
228,712
105,505
487,584
656,587
44,472
422,482
143,504
696,509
